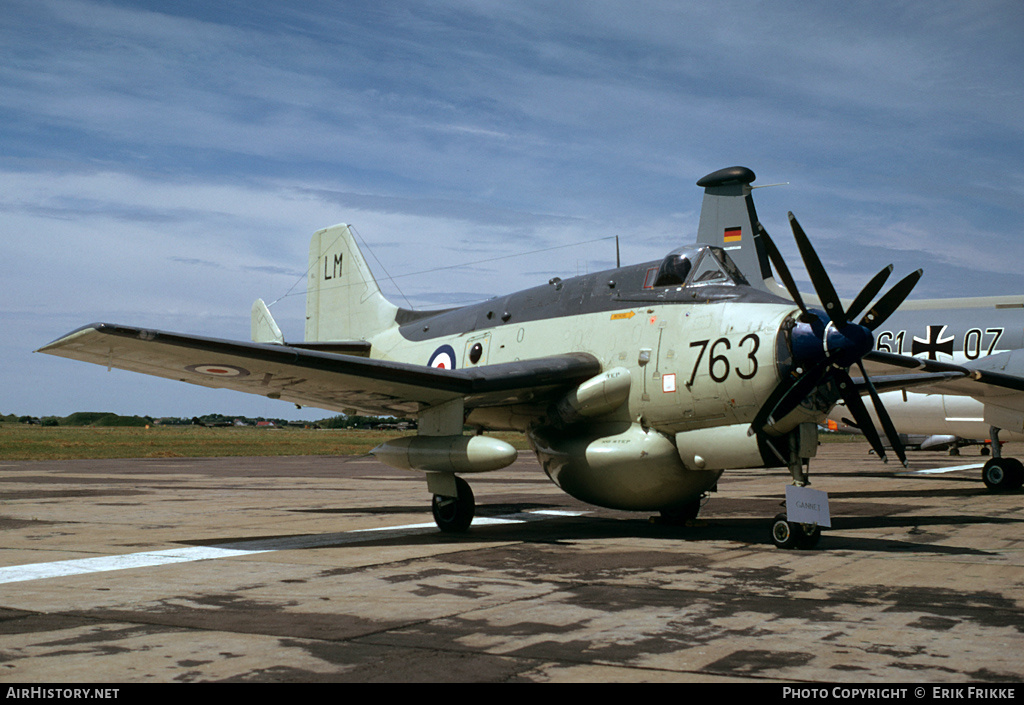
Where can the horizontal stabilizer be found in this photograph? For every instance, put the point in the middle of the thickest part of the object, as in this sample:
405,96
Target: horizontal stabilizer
265,330
264,327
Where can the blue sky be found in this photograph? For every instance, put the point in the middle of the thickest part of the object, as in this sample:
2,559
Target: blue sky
164,163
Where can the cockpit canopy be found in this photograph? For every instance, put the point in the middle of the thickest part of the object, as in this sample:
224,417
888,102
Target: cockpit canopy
698,265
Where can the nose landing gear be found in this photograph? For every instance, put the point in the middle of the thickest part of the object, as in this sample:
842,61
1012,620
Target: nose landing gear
790,534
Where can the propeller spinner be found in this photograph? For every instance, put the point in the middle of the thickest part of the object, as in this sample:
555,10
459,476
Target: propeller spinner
827,344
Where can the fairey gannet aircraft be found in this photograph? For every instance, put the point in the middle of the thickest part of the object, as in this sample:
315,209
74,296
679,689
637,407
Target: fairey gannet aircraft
636,387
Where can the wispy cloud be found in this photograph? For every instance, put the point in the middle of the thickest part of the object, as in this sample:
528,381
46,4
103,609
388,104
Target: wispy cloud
164,164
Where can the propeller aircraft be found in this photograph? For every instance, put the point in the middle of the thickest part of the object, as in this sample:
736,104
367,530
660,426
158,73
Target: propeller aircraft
636,387
967,352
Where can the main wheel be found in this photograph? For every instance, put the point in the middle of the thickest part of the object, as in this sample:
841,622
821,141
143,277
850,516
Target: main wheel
682,513
790,534
455,514
1003,474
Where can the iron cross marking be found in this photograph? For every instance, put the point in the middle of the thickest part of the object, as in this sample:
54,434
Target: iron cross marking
934,345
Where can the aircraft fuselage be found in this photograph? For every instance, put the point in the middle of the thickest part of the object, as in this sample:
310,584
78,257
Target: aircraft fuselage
698,357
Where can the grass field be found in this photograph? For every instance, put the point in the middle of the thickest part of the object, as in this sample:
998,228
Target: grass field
22,442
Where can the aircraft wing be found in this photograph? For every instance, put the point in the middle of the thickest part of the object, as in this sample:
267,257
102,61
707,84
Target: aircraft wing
997,381
993,376
327,380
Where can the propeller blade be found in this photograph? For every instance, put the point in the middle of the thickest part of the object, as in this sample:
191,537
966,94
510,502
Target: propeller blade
892,299
780,266
784,398
887,425
855,405
822,284
868,292
841,351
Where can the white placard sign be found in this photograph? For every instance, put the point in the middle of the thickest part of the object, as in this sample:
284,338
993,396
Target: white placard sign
807,506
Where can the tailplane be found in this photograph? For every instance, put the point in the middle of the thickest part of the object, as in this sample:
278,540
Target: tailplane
343,300
264,327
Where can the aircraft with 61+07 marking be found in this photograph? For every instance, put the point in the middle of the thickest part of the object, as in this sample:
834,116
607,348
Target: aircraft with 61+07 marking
636,387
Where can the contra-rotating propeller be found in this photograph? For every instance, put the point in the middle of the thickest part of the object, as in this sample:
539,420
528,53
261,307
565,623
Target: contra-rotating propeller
824,348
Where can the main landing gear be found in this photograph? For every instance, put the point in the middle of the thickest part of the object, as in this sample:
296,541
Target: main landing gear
455,514
682,514
1001,474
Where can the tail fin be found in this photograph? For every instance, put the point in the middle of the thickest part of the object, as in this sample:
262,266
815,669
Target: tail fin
343,301
728,220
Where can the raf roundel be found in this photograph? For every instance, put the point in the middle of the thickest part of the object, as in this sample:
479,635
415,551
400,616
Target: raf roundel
443,358
219,370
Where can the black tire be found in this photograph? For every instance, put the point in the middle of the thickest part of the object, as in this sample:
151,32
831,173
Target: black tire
454,514
1003,474
789,534
808,536
784,533
681,514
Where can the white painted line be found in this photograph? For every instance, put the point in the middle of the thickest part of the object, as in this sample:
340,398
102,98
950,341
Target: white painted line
98,564
939,471
146,559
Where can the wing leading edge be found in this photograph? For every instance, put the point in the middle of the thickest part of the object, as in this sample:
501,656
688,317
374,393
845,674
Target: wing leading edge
326,380
996,375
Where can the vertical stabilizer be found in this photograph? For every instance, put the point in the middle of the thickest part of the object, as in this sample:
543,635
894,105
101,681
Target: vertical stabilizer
343,301
728,220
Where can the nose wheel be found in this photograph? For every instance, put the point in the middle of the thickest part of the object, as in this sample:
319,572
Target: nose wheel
455,514
790,534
